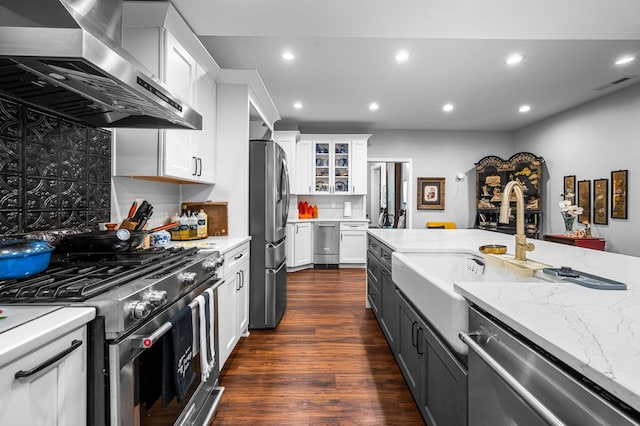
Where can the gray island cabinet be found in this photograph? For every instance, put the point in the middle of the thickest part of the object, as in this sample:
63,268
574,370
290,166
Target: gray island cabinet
579,341
436,378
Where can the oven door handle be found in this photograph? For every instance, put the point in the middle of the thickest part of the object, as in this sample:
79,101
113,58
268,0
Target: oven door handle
145,342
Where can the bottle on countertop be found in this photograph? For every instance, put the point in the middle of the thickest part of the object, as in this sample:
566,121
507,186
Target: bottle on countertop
175,232
184,226
193,225
202,224
315,211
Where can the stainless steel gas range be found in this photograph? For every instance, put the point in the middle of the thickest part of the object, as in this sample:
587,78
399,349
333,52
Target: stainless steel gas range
136,295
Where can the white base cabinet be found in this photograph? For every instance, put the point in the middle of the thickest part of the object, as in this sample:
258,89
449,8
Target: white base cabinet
353,242
299,244
57,394
233,300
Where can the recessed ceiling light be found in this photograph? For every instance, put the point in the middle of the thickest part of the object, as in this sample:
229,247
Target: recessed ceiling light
402,56
524,108
297,105
625,60
373,106
288,56
447,107
514,59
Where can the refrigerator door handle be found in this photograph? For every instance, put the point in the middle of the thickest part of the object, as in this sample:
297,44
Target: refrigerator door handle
276,244
285,197
275,271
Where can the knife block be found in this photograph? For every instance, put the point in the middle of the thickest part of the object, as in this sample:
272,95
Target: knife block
128,224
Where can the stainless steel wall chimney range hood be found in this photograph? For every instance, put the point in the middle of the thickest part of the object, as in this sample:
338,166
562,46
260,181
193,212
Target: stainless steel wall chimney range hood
66,56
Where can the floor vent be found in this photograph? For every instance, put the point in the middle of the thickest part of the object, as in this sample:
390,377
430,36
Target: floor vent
615,83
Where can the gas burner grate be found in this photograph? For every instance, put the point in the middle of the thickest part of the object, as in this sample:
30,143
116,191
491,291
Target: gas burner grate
79,277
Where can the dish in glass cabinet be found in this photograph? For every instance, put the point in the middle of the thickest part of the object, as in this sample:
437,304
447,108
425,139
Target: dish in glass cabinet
321,186
340,186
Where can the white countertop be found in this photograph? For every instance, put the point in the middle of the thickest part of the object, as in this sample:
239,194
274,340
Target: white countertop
43,328
328,219
593,331
221,244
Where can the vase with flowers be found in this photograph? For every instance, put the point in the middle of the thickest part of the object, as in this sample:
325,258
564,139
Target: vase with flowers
569,214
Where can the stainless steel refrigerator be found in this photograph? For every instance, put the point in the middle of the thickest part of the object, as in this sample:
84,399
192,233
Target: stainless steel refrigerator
268,211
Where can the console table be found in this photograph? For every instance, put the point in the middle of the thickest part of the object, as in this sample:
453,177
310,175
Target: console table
586,242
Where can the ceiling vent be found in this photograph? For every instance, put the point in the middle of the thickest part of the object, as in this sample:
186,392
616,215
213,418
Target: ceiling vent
616,83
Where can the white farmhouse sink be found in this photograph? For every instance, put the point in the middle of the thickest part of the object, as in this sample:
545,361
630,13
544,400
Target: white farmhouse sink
427,279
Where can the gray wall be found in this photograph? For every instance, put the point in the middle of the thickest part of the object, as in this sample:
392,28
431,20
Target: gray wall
589,142
442,154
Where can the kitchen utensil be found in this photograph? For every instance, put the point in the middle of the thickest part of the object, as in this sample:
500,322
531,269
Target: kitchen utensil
20,258
107,241
132,210
141,210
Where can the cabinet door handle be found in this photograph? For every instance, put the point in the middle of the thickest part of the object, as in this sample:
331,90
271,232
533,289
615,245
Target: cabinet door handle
296,228
195,166
341,236
413,333
236,257
75,344
200,162
418,340
238,281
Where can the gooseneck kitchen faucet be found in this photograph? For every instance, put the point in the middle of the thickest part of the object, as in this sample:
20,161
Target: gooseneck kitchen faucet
522,247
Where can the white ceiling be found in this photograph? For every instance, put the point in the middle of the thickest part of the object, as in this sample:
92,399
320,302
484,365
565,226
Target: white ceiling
345,57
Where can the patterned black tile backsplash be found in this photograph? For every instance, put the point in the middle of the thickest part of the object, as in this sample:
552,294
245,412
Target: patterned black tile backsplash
54,174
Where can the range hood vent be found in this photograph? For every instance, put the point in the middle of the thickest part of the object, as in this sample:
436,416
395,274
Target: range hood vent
65,56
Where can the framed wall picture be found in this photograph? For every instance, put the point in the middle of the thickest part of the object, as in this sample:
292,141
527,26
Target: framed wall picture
601,201
584,200
619,194
430,193
569,188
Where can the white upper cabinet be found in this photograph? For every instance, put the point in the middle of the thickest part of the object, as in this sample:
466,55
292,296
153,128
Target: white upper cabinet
181,156
303,169
331,164
287,140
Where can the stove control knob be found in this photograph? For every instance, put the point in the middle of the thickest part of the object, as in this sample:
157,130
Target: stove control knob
157,298
212,264
188,278
140,309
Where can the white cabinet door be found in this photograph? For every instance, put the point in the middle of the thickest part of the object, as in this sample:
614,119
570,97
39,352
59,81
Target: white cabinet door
203,141
341,167
179,76
242,321
302,248
304,167
359,167
179,69
353,242
55,395
291,243
287,140
227,313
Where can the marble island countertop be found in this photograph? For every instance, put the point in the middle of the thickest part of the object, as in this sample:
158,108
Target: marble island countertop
596,332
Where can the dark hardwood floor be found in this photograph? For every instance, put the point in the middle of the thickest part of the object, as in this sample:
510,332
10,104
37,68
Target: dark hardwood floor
327,362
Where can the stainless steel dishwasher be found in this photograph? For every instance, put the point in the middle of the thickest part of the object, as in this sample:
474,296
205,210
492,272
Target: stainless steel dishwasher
327,243
512,383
